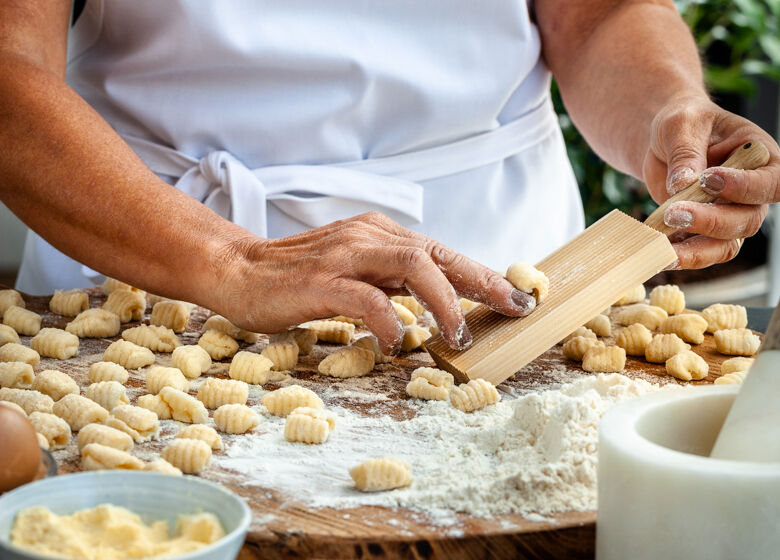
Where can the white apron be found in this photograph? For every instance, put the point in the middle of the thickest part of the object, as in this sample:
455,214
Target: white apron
282,116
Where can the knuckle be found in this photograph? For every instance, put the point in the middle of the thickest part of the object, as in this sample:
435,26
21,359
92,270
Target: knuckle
374,218
444,255
753,223
729,250
413,257
375,303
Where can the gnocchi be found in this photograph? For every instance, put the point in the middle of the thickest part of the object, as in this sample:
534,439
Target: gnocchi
687,365
173,315
218,344
108,394
128,355
355,321
158,377
250,368
139,423
466,305
10,298
213,393
55,343
7,334
668,297
583,332
414,336
309,425
406,316
283,401
529,279
191,360
634,295
371,344
69,302
634,339
111,285
104,435
203,433
284,355
30,401
219,323
163,467
79,411
190,456
14,352
474,395
376,475
156,405
347,362
721,316
127,305
737,342
575,348
184,407
23,321
605,359
94,323
53,428
338,332
156,339
55,383
410,303
733,378
304,338
107,371
17,375
688,326
600,325
430,384
235,419
664,346
95,456
728,366
648,315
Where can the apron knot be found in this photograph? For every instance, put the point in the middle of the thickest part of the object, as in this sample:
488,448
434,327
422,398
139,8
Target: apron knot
213,167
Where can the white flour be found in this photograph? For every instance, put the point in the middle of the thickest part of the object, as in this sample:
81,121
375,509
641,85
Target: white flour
535,455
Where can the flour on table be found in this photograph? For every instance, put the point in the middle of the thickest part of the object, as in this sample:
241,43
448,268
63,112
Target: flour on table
535,455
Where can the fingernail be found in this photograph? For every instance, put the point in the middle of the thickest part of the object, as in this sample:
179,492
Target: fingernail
678,217
523,301
463,336
712,183
680,179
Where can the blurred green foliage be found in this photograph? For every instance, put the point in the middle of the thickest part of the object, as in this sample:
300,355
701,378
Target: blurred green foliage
739,41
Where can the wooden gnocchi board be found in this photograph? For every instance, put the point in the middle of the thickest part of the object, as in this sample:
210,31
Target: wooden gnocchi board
285,529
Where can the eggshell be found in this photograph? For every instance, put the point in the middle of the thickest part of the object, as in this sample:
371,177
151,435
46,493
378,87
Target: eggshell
20,454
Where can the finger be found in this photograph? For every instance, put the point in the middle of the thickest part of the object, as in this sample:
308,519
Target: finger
699,251
721,221
683,141
758,186
358,299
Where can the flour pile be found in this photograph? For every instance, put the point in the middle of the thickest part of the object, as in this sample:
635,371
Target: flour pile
536,455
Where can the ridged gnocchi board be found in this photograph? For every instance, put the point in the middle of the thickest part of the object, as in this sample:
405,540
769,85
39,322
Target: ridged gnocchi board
287,528
586,276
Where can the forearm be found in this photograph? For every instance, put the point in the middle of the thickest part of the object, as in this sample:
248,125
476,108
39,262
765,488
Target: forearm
617,64
72,179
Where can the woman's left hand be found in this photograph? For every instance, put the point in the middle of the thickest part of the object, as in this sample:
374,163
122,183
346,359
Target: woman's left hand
690,137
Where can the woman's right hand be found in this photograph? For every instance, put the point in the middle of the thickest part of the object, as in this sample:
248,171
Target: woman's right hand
342,269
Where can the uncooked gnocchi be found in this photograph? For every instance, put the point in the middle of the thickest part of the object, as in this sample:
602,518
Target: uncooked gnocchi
14,352
607,359
687,365
721,316
634,295
55,383
648,315
235,419
347,362
95,323
283,401
376,475
355,321
104,435
173,315
218,344
190,456
582,331
17,375
158,377
664,346
733,378
406,316
139,423
728,366
529,279
7,334
309,425
214,392
414,336
53,428
371,344
668,297
107,371
95,457
600,325
634,339
79,411
192,360
466,305
156,339
203,433
737,342
23,321
688,326
184,407
10,298
69,302
410,303
575,348
111,285
127,305
250,368
108,394
219,323
30,401
55,343
162,466
430,384
304,338
156,405
128,355
474,395
284,355
332,331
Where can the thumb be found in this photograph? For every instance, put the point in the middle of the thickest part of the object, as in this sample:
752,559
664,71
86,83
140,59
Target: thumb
687,158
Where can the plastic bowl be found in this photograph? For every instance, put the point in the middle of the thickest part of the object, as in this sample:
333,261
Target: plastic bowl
152,496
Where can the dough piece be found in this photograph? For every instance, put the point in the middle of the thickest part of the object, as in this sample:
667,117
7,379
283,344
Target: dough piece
192,360
410,303
608,359
235,419
218,344
688,326
7,334
737,342
721,316
162,466
55,343
371,344
648,315
634,295
634,339
284,355
430,384
600,325
214,392
474,395
107,371
16,407
664,346
108,394
309,425
583,332
184,407
156,339
79,411
128,306
10,298
23,321
338,332
347,362
344,319
173,315
219,323
17,375
128,355
728,366
156,405
139,423
158,377
283,401
733,378
414,336
96,457
14,352
69,302
30,401
104,435
467,305
668,297
53,428
575,348
376,475
250,368
95,323
111,285
406,316
55,383
43,443
687,365
190,456
304,338
529,279
203,433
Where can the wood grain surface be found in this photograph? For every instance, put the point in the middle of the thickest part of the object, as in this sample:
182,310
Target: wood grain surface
283,528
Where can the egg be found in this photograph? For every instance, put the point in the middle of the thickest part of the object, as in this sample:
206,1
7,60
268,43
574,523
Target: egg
20,454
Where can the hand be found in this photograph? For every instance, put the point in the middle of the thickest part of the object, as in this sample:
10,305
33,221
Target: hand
343,268
690,137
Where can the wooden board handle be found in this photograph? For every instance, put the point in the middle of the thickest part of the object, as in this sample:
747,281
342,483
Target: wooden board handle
751,155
